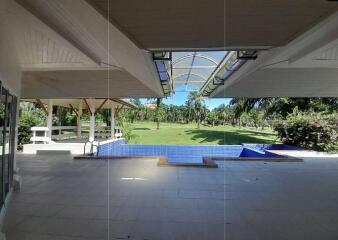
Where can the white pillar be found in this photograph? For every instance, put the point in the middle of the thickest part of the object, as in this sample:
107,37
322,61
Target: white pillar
34,135
92,121
79,120
50,117
112,121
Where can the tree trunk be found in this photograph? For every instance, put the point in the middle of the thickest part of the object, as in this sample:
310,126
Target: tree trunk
158,102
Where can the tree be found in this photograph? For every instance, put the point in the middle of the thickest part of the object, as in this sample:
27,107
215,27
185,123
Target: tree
195,104
241,106
212,117
136,101
158,109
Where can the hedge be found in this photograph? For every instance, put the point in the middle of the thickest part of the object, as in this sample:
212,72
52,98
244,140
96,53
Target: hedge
315,131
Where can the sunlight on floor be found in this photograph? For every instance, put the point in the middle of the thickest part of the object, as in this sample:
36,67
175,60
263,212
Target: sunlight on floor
132,178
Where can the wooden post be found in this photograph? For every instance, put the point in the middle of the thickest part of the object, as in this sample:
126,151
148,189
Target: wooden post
40,103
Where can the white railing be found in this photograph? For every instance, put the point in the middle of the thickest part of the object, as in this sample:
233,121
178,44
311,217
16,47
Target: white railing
69,132
64,132
40,134
104,132
118,132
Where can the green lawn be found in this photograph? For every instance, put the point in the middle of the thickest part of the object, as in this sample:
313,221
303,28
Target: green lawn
173,133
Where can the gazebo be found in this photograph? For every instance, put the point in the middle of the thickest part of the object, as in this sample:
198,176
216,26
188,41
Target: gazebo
78,105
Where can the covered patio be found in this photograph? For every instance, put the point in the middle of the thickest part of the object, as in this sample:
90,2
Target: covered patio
68,199
90,49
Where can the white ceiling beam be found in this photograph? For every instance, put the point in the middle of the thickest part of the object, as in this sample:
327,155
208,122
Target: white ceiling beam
190,81
61,67
318,37
194,67
60,32
290,70
24,20
87,29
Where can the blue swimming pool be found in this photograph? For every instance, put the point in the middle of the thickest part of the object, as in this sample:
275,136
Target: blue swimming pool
189,153
263,147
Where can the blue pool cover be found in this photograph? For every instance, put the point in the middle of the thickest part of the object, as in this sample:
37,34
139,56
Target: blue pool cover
189,153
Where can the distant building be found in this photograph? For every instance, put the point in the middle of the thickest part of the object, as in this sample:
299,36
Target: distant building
150,105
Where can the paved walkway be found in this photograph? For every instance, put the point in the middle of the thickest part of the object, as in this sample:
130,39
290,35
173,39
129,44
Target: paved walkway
134,199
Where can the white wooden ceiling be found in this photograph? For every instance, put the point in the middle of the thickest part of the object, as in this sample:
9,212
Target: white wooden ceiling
306,67
40,47
60,46
67,48
82,84
216,24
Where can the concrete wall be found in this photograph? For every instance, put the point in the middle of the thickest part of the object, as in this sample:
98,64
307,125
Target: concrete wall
10,72
73,148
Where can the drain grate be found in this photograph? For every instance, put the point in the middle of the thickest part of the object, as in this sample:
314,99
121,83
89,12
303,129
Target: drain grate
128,237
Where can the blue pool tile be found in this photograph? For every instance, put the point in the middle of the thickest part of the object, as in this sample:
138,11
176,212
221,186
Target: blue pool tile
187,153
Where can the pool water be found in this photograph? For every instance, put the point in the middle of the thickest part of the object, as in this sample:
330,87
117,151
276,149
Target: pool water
254,153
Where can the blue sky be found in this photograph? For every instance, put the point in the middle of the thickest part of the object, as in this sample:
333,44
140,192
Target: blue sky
179,98
185,76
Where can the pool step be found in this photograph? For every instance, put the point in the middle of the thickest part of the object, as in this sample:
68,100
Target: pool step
207,163
162,160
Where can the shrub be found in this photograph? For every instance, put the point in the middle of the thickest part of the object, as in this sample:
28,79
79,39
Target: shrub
127,132
316,131
65,117
27,120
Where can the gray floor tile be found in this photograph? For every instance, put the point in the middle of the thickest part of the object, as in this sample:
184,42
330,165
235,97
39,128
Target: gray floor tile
71,200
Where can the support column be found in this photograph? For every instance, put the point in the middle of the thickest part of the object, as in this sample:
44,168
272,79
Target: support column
112,121
50,118
92,121
79,120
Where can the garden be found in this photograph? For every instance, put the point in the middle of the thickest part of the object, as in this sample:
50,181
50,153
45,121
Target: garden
311,123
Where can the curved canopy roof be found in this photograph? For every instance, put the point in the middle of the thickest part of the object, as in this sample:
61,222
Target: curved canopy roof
192,69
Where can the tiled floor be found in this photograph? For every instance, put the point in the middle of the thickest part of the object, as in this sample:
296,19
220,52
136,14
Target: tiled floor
134,199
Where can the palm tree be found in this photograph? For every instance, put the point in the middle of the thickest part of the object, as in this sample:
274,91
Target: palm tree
245,105
212,116
195,104
158,106
158,111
